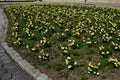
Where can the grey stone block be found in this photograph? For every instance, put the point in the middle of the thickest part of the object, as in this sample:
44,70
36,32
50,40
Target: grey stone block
10,51
23,63
29,69
15,56
42,77
32,71
4,44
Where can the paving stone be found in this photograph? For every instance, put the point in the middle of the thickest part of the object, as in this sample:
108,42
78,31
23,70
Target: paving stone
6,76
3,71
10,65
5,59
18,75
23,78
13,70
2,54
42,77
1,65
0,77
1,51
1,48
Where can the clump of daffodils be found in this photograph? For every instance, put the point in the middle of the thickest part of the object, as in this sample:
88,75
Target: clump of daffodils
43,41
70,63
106,37
89,41
103,51
18,42
93,69
43,56
116,46
33,49
114,61
71,42
65,49
75,44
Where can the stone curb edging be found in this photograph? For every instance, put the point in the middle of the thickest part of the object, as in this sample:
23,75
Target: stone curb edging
25,65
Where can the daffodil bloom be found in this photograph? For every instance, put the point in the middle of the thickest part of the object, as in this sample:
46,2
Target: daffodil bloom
27,46
66,30
95,42
99,64
90,63
69,40
75,63
102,52
94,72
14,42
63,34
107,52
47,54
115,47
66,61
89,42
69,67
68,57
118,63
89,69
62,47
112,60
39,56
65,51
33,49
88,72
45,58
100,48
97,74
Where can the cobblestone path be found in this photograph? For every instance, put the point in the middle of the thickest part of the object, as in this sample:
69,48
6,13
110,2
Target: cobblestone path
9,70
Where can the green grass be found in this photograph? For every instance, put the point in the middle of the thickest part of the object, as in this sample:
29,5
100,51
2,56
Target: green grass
65,41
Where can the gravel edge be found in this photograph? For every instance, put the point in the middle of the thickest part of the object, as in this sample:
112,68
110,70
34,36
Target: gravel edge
25,65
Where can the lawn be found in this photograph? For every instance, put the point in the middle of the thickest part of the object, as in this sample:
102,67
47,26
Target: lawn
67,42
